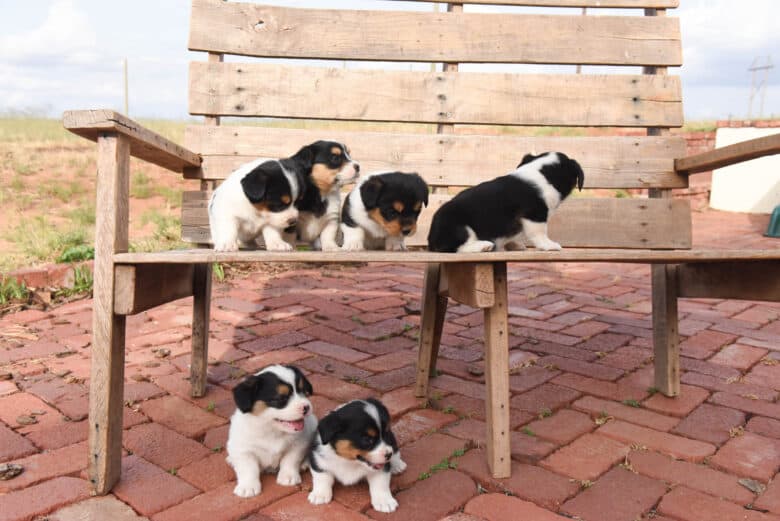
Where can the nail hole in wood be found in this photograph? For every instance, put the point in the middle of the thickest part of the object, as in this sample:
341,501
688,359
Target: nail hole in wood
260,25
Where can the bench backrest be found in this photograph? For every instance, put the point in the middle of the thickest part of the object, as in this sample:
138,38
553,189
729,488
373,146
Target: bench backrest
456,128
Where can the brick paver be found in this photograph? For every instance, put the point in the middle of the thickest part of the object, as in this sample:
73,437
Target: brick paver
589,435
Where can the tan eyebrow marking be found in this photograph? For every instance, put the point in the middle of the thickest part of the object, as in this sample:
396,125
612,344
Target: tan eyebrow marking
399,206
336,150
283,389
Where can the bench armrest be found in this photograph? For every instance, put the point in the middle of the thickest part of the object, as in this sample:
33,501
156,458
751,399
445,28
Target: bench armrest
144,144
728,155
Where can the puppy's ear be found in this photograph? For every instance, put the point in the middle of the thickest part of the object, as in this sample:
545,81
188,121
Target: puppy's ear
305,156
254,184
420,189
245,392
527,159
370,191
329,427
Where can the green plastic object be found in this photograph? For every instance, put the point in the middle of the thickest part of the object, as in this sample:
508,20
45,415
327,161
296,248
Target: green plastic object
773,230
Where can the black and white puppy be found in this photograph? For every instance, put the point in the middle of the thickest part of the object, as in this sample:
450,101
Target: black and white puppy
272,428
331,168
354,442
502,213
381,210
257,199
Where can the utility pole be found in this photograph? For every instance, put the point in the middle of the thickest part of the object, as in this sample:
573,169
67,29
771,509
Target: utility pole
124,67
758,84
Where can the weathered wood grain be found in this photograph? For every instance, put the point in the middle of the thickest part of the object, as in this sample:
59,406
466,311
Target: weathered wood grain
758,280
627,4
142,287
283,32
450,160
144,143
584,223
285,91
729,155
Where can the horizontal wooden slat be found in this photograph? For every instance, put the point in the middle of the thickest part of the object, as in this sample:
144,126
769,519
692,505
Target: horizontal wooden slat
585,223
138,288
732,280
205,255
450,160
261,89
283,32
729,155
627,4
144,143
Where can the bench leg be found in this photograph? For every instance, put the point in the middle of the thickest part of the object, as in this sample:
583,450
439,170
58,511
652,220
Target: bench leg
497,378
201,286
434,308
108,329
665,329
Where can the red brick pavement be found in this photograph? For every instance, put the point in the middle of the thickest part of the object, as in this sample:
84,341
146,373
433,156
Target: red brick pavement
590,438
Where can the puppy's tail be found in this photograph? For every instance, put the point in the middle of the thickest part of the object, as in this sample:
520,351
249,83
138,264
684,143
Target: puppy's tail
444,238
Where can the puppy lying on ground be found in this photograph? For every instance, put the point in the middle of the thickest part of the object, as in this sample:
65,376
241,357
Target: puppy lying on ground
354,442
272,427
502,213
381,210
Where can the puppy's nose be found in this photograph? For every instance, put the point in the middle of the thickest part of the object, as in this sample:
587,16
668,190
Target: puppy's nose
357,167
406,231
306,409
388,455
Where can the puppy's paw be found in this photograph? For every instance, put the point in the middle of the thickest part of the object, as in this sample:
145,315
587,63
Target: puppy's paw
226,246
549,245
384,503
278,246
397,465
330,247
395,246
319,497
250,489
353,246
288,478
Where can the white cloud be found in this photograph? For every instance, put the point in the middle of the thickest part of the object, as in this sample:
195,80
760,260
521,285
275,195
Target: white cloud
66,35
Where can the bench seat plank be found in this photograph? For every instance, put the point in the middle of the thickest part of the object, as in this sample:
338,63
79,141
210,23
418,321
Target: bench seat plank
414,36
412,257
579,100
449,160
627,4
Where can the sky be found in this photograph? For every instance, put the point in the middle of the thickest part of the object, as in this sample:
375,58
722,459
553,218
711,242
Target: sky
67,54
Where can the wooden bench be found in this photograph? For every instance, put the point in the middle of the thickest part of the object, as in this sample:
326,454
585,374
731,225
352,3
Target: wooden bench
438,121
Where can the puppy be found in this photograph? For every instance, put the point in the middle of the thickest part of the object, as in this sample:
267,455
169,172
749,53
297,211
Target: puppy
257,199
354,442
329,167
381,210
501,213
272,427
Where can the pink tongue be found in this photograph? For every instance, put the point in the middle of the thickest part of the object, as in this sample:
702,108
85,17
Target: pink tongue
378,466
297,426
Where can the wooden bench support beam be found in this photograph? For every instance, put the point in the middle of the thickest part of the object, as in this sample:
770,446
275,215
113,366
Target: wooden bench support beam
201,283
497,377
144,286
108,329
665,329
434,308
757,280
469,283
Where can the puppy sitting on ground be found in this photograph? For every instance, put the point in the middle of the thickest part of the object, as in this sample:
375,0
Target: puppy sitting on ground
381,210
318,210
502,213
272,427
354,442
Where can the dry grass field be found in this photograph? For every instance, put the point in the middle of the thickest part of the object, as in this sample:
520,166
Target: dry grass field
47,194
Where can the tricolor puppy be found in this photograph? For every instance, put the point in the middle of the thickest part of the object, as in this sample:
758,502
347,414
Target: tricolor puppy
502,213
330,167
354,442
257,199
381,210
272,428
